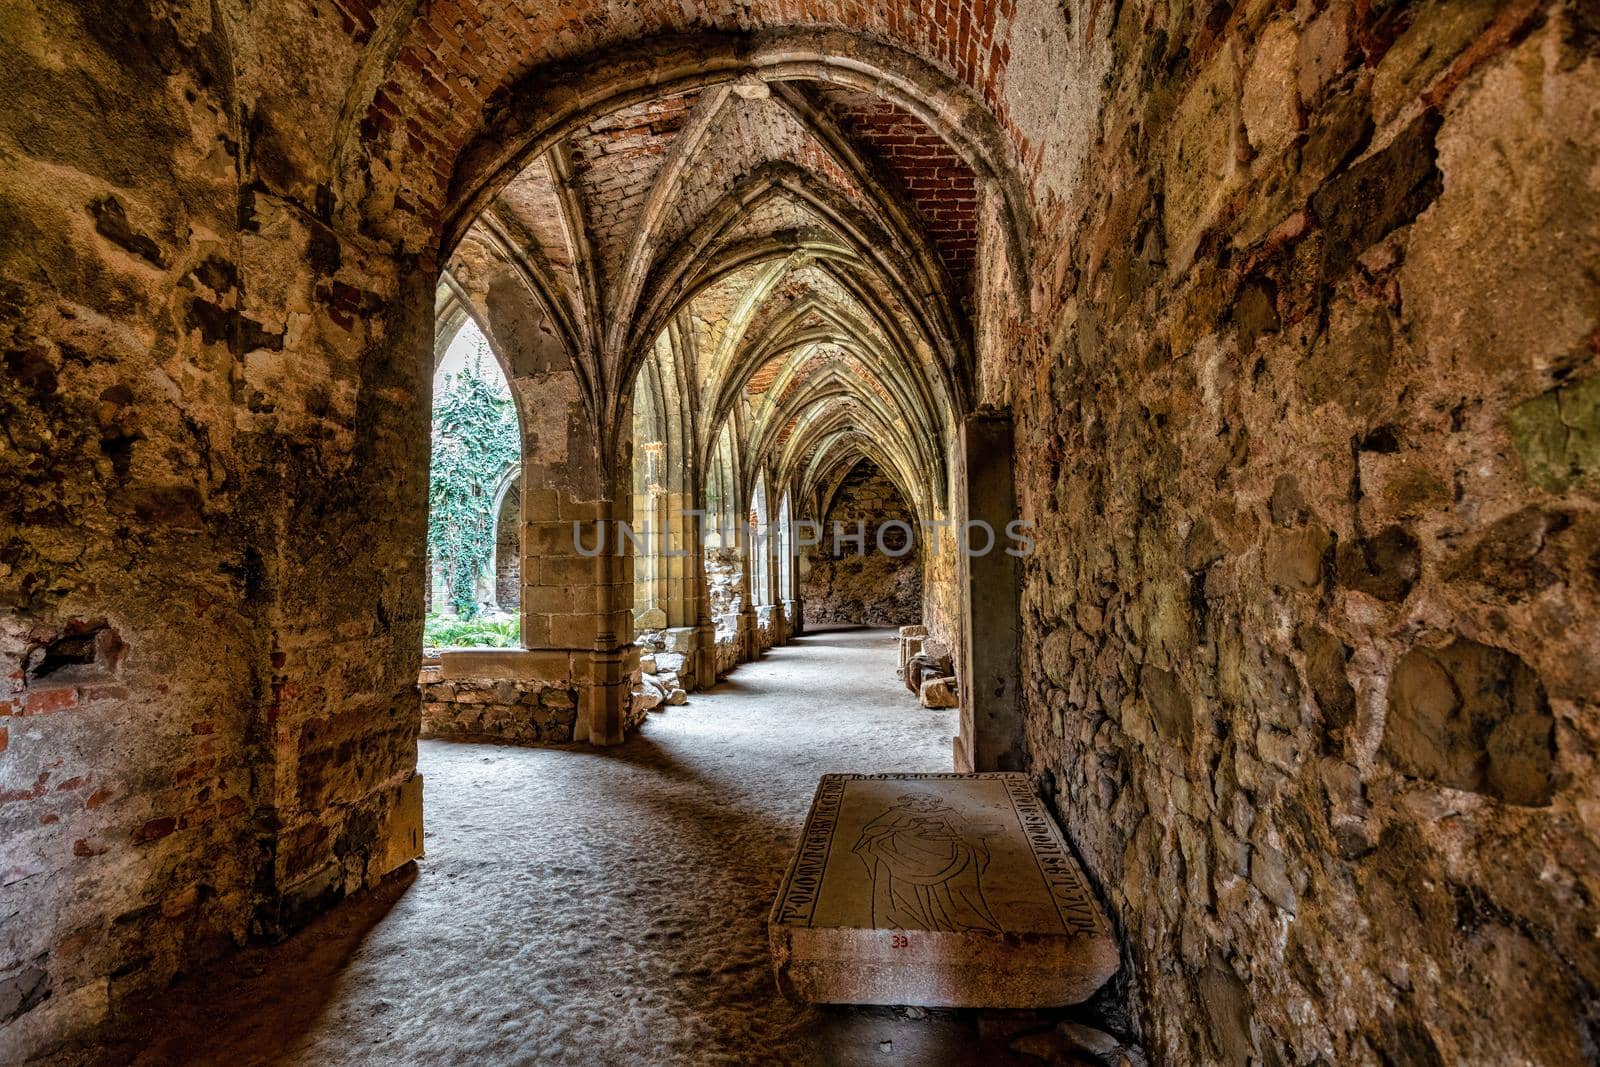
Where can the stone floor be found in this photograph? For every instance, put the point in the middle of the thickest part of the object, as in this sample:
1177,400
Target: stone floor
596,907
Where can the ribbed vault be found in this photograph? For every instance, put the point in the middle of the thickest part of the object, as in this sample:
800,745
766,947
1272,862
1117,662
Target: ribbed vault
781,253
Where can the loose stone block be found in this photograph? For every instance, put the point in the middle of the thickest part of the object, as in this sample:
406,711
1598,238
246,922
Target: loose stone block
942,890
939,693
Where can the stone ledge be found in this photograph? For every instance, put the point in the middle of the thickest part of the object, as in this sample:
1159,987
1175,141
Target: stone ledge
506,664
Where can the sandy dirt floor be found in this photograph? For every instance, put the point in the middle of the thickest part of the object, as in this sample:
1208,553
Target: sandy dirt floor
592,906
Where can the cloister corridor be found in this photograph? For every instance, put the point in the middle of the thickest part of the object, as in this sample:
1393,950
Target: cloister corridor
461,460
599,906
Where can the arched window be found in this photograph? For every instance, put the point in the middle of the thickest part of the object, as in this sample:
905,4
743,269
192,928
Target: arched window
474,517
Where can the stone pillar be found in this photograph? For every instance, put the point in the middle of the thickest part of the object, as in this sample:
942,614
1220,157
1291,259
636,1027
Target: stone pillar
989,586
749,641
697,604
603,695
705,653
577,576
580,604
685,559
749,638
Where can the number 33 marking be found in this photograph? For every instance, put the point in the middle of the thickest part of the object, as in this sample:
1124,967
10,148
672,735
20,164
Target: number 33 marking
899,941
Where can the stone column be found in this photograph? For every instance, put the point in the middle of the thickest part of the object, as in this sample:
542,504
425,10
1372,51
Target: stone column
580,604
697,605
989,589
749,641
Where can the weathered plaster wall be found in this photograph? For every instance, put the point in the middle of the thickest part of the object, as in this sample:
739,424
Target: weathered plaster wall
1308,429
863,587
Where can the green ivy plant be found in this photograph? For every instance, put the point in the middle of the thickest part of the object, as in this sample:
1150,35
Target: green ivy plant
475,439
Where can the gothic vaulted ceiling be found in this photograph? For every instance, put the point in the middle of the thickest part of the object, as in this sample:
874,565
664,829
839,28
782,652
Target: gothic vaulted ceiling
803,252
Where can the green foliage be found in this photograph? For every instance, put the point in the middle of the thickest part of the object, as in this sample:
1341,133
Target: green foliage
475,439
442,631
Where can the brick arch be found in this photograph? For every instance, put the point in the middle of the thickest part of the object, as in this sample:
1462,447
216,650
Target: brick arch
460,163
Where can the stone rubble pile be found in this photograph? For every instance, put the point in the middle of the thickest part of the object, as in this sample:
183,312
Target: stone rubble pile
659,680
723,577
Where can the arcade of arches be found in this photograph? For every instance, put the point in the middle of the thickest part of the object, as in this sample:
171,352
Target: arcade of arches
1275,323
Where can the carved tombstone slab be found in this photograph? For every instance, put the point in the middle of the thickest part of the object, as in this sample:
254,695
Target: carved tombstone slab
942,890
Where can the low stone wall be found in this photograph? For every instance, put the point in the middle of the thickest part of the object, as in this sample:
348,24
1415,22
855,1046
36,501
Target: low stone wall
529,712
769,626
727,653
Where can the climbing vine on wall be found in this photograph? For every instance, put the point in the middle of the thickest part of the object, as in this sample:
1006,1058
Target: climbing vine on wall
475,440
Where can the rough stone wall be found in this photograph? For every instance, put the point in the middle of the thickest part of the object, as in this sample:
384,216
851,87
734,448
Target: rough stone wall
768,626
727,654
870,588
96,823
202,416
527,712
1308,429
724,570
